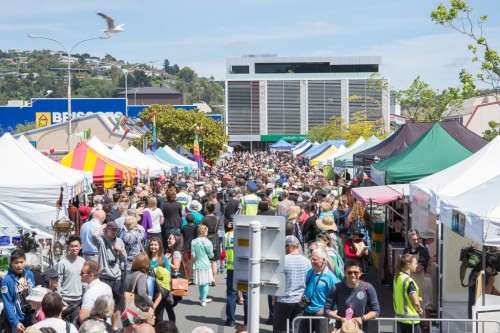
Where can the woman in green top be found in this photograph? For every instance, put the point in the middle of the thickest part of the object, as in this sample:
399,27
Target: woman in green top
202,250
155,253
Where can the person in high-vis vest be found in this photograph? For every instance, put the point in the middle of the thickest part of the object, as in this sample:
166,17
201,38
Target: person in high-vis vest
276,193
231,293
183,197
406,296
249,204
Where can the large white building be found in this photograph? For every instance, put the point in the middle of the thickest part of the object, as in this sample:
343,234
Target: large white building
270,97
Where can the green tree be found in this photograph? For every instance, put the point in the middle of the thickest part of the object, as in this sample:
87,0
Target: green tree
177,127
459,17
492,132
187,74
360,126
334,130
21,128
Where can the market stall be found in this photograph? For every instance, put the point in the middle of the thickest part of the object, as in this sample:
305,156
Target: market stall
388,208
423,157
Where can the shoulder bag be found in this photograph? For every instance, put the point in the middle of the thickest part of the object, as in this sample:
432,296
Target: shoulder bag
180,286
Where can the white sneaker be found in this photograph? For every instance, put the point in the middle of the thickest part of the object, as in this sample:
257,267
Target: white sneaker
203,303
208,300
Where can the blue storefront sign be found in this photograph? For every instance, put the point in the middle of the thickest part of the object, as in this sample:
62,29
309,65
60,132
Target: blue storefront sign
48,111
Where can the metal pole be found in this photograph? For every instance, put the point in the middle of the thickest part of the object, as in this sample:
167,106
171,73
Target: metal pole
125,71
254,279
68,53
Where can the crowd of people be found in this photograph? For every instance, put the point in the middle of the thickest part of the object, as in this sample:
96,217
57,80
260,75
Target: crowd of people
131,238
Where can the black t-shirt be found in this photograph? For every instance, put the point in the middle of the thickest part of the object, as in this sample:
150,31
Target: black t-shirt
189,232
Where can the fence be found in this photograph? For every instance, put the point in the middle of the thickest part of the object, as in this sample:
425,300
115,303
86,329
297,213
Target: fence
437,325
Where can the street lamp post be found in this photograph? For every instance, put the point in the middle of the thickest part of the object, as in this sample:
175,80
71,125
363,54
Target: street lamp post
69,73
125,73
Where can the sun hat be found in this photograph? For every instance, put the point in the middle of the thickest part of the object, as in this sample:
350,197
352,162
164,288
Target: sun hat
326,223
37,294
194,206
349,326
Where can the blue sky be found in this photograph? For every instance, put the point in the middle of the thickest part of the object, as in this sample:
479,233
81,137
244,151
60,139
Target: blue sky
202,34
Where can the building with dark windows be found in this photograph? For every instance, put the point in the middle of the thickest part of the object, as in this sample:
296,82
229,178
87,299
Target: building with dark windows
270,97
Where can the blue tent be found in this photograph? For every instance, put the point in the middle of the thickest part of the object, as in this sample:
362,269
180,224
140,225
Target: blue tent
281,144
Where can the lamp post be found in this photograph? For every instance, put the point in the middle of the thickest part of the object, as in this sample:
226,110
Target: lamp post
125,73
69,72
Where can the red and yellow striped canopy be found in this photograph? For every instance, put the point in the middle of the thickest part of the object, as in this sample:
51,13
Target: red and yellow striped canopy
105,170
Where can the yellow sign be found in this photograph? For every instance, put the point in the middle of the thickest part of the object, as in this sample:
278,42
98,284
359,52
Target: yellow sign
243,242
43,119
242,286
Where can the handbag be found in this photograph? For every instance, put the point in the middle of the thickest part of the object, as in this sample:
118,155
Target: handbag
180,286
130,298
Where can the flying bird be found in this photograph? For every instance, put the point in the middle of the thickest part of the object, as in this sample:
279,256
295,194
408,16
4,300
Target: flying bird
111,24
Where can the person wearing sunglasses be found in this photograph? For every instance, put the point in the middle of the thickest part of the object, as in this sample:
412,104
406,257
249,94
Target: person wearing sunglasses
352,293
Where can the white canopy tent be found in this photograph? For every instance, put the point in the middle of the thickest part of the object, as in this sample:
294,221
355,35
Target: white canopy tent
143,164
302,149
74,178
180,158
480,210
459,178
154,165
28,193
101,148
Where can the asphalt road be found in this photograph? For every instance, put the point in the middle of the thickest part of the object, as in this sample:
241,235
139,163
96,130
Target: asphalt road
190,314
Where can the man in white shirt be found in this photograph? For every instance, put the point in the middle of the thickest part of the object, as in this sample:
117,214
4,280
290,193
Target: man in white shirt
52,305
96,288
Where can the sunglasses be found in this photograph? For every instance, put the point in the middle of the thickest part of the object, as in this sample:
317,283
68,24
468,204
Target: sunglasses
353,273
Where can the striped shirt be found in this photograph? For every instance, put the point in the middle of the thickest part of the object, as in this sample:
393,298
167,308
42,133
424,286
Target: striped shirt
296,267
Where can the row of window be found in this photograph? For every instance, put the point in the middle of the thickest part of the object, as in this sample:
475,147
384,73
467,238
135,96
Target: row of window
283,68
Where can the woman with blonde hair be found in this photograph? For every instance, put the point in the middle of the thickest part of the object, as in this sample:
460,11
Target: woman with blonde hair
156,216
202,250
406,295
133,240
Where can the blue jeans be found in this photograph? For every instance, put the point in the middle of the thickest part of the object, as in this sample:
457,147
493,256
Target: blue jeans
231,298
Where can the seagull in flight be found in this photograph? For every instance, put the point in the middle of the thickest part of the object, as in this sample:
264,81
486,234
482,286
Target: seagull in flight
111,24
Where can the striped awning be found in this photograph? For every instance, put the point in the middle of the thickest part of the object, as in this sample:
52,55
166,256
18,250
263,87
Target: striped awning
105,170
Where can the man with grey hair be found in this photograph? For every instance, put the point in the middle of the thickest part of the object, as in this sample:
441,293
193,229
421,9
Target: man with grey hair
296,266
319,280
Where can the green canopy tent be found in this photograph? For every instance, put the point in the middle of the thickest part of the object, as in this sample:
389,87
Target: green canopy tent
434,151
345,161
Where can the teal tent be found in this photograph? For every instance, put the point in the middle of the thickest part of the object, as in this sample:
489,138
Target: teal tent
434,151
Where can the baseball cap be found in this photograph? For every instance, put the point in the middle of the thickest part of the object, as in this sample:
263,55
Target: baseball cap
292,241
48,274
37,294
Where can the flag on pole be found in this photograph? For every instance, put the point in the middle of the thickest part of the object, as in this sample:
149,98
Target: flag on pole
124,134
149,119
196,149
154,131
119,122
87,133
